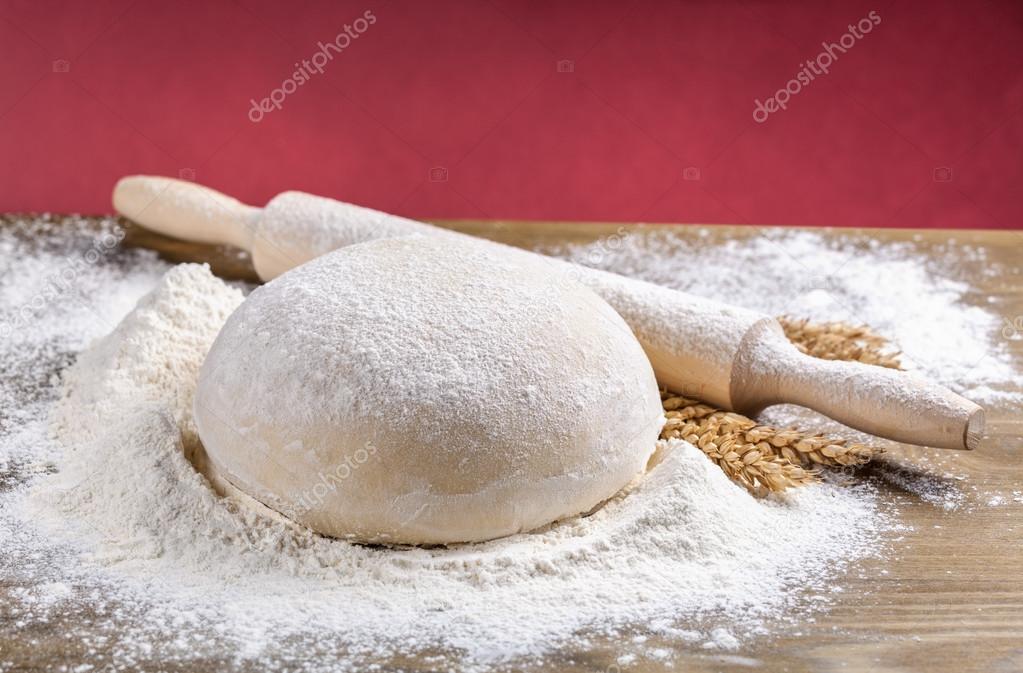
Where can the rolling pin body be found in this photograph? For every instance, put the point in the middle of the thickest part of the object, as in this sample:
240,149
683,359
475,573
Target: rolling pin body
728,356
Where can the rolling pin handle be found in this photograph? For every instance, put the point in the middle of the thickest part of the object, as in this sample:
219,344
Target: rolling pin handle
186,210
885,402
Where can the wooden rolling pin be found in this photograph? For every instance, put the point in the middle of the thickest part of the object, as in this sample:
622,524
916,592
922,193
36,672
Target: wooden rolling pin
728,356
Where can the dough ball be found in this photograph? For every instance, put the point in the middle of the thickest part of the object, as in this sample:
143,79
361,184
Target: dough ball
415,391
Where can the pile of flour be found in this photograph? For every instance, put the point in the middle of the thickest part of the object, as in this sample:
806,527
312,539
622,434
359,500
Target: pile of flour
109,533
684,541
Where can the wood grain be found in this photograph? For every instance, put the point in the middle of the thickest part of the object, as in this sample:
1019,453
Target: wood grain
949,596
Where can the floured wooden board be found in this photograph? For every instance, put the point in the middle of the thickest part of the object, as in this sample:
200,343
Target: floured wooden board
947,597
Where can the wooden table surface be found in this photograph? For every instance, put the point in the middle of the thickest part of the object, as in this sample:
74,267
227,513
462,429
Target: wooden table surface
950,595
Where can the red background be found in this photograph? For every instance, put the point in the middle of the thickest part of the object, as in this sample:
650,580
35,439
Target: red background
474,88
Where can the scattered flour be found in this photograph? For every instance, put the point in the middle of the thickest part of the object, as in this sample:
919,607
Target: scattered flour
684,542
110,535
939,327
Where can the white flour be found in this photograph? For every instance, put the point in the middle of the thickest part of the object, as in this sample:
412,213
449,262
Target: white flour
128,550
941,327
934,320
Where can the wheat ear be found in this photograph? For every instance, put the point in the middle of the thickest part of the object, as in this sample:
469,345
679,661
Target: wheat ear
719,434
840,341
766,459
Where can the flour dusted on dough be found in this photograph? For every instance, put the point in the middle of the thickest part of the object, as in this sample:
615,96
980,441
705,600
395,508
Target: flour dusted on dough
137,566
685,552
415,391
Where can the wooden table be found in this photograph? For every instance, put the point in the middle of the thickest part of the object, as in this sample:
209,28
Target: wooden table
951,597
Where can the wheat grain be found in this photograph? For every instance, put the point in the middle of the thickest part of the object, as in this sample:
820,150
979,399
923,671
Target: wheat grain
757,456
719,434
840,341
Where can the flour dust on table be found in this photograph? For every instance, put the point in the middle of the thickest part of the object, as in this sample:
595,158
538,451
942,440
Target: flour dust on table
111,536
914,294
916,301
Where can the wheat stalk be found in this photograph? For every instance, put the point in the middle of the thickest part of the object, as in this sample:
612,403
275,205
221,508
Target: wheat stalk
840,341
719,434
765,459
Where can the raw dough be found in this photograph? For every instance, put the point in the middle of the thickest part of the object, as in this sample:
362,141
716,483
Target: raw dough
415,391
